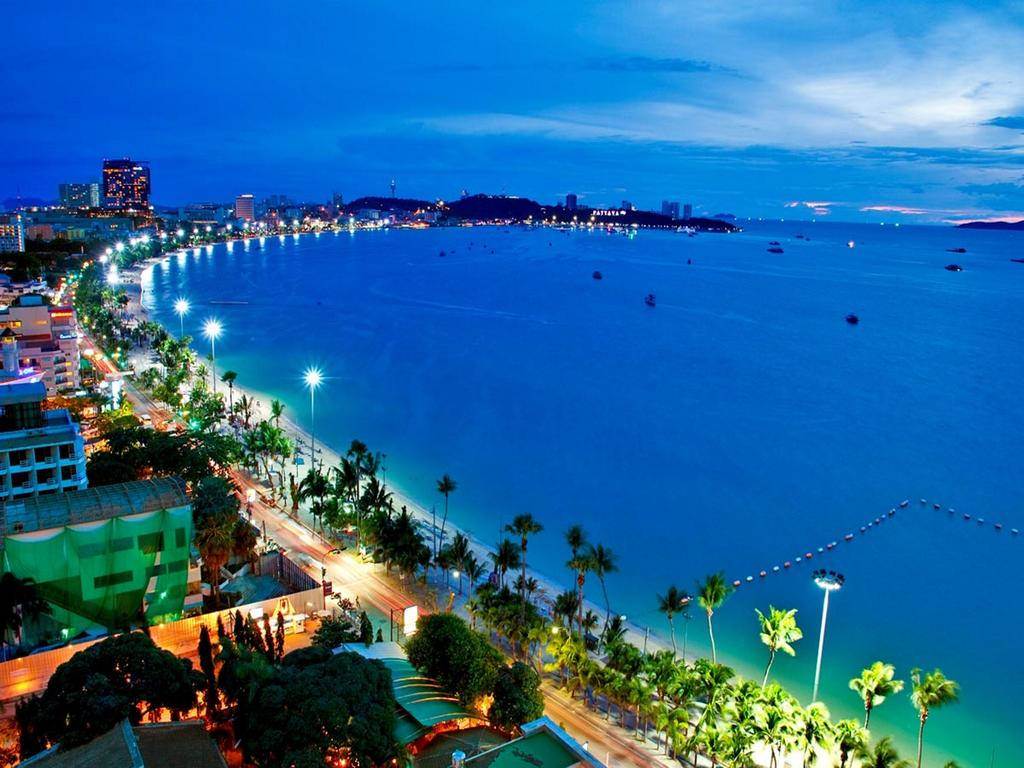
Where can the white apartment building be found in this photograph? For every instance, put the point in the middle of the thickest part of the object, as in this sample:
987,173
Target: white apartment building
40,451
47,342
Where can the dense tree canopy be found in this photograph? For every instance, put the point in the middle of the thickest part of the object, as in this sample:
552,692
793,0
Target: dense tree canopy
517,697
144,452
460,659
125,676
315,703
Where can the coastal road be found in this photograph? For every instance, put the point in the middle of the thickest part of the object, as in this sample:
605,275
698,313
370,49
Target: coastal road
350,577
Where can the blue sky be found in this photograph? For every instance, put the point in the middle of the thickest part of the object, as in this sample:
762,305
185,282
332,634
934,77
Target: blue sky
851,110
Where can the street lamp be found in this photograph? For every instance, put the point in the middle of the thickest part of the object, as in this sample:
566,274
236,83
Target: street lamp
212,329
181,307
119,247
829,581
313,377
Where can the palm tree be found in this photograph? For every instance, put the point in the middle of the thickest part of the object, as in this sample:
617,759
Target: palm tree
474,570
245,407
711,594
276,412
884,755
505,559
229,379
215,539
19,600
522,526
931,691
874,685
602,562
851,738
778,631
817,730
674,601
579,563
445,486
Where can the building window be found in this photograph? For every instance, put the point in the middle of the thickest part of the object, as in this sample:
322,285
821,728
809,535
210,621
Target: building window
112,579
151,543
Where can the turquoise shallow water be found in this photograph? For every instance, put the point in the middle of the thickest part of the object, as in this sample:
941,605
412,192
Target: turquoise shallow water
739,424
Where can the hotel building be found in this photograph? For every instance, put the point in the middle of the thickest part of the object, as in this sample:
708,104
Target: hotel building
12,232
40,451
74,195
245,208
126,184
43,339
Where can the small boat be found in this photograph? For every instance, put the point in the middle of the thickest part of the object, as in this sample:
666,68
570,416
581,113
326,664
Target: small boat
848,537
763,574
799,237
904,503
442,253
850,244
775,249
956,250
736,583
937,506
774,242
1017,261
852,319
954,268
999,526
597,275
649,300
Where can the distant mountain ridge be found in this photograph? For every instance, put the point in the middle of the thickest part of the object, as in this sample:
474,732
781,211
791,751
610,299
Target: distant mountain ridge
1011,225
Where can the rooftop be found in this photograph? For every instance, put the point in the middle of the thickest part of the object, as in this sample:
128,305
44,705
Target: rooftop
542,745
39,513
183,744
26,392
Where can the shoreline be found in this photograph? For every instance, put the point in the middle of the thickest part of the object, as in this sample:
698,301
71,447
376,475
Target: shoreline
548,588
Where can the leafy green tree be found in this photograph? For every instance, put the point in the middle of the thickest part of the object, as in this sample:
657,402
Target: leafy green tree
778,632
207,667
930,691
461,660
341,701
816,731
874,685
711,594
124,676
365,629
214,538
517,697
20,599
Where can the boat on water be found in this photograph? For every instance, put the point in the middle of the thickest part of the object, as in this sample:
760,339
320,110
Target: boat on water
597,275
956,250
774,242
649,300
852,319
775,249
954,268
1017,261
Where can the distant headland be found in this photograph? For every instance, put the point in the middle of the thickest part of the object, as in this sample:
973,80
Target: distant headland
1012,225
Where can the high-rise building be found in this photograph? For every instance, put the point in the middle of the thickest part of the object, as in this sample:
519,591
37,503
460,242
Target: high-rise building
670,208
245,208
75,195
40,451
43,342
12,232
126,184
570,201
687,212
627,205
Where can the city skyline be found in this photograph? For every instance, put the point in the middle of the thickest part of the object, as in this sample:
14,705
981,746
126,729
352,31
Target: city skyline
799,113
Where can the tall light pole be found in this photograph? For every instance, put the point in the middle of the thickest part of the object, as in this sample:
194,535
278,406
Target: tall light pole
181,307
830,582
212,329
312,377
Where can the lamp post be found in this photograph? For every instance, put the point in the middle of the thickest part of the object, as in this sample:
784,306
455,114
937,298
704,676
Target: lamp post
312,377
181,307
830,582
212,329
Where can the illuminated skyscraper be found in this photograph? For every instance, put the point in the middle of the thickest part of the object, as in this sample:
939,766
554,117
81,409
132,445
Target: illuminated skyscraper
570,201
85,195
670,208
12,232
126,184
244,208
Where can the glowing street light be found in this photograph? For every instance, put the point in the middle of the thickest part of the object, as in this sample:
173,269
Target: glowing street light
119,247
829,581
181,308
313,378
211,330
180,232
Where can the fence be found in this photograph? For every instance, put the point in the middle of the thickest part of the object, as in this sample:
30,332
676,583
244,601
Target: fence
29,674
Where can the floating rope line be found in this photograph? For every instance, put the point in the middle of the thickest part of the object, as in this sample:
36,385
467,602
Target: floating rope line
871,524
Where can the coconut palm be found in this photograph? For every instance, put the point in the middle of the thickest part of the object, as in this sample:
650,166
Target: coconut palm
874,685
522,526
474,570
579,563
505,559
711,594
817,731
778,632
602,562
276,412
214,538
445,486
19,600
851,738
930,691
244,408
229,379
674,601
883,755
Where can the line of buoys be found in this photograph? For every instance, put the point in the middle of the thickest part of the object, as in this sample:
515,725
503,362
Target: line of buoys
788,564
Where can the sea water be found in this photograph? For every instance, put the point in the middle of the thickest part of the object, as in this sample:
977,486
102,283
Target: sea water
737,425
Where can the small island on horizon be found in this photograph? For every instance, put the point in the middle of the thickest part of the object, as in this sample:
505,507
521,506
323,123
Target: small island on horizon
1010,225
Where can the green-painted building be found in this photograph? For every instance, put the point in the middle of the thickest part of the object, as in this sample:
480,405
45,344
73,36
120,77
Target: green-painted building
103,557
